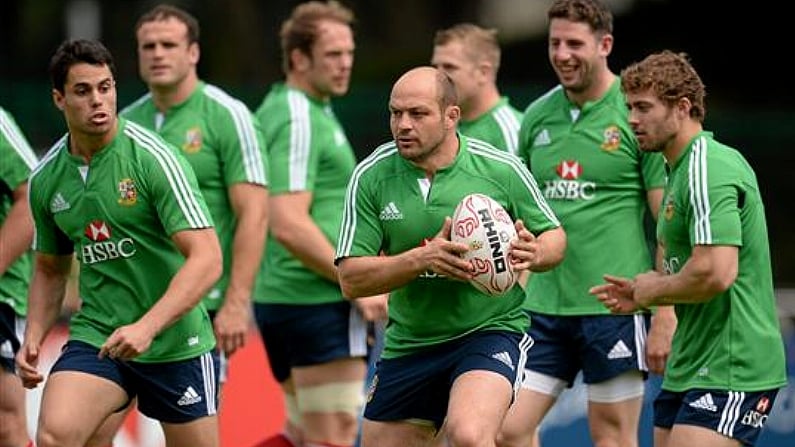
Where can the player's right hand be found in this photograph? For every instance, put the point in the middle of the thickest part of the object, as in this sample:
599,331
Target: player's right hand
27,359
443,256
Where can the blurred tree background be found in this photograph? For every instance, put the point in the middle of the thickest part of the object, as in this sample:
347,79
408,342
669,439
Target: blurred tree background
739,51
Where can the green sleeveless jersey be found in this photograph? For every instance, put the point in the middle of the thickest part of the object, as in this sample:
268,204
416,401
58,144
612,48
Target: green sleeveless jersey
733,341
18,160
222,142
308,151
117,213
391,206
595,179
498,127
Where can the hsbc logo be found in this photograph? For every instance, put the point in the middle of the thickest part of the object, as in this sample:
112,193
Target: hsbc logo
569,169
97,231
569,187
102,248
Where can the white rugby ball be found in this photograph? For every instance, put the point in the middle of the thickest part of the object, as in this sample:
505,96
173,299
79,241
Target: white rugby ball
485,227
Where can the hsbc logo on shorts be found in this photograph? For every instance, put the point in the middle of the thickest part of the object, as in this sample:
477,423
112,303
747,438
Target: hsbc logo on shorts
569,187
102,247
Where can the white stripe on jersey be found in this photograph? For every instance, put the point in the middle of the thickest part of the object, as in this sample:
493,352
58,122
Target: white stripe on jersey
249,145
699,192
509,126
176,177
48,157
348,228
18,142
478,147
300,139
135,104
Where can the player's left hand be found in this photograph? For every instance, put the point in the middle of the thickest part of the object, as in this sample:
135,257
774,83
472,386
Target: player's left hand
373,308
525,251
616,294
231,325
127,342
658,341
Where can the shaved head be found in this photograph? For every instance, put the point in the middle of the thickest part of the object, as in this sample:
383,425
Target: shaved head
427,82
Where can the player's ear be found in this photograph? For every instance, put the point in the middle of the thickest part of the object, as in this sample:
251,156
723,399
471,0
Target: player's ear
300,60
58,99
453,115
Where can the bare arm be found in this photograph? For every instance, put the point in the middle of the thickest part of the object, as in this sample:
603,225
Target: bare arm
201,270
16,233
537,253
710,270
371,275
654,198
250,205
661,331
45,297
292,226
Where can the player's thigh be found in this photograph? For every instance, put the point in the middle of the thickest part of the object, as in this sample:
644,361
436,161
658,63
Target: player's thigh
396,434
202,432
12,395
75,403
682,435
335,371
106,432
524,416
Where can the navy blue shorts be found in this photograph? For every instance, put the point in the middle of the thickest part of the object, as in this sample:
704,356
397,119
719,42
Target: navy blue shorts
417,386
739,415
601,346
173,392
307,335
12,328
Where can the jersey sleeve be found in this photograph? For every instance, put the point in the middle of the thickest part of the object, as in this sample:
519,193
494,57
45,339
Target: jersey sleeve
652,165
713,194
47,236
292,147
360,233
529,203
241,145
16,154
174,191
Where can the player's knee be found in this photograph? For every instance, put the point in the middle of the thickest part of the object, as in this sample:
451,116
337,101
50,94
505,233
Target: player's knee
50,437
343,399
466,433
515,435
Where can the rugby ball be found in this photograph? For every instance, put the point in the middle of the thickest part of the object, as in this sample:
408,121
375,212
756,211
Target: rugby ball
485,227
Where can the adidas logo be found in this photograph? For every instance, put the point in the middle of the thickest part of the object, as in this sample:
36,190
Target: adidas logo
542,139
189,398
705,402
505,358
59,204
390,212
619,351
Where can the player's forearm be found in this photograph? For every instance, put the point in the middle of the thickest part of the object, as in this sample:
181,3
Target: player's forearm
247,250
307,243
553,247
192,281
16,234
698,281
372,275
45,298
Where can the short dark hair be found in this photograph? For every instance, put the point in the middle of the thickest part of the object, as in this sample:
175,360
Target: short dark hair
592,12
77,51
163,12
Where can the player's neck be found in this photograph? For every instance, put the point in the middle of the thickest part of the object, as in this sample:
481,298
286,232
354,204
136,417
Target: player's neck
303,84
480,104
87,145
600,85
680,142
444,155
166,97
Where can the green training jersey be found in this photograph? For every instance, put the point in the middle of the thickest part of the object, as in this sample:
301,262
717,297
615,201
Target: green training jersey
117,213
308,151
498,127
595,179
18,160
221,141
733,341
392,206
